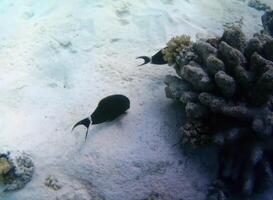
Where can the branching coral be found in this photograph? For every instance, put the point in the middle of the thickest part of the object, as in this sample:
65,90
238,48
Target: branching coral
174,46
226,85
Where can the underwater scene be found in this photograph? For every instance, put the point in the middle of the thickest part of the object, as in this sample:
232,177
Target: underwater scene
136,100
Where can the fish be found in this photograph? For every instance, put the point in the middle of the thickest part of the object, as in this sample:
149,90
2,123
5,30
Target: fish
108,109
157,59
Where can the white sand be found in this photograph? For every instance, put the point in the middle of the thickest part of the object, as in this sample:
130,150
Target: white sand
59,58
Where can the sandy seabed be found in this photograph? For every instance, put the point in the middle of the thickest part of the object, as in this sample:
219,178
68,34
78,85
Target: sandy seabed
59,58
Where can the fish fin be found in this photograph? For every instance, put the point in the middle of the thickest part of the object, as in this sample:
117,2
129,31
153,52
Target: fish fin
86,134
145,58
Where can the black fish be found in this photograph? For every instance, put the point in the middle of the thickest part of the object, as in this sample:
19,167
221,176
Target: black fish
108,109
157,59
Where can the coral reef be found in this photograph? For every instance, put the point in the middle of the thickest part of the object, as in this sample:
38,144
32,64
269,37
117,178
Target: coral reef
226,85
267,20
15,170
53,183
174,46
258,5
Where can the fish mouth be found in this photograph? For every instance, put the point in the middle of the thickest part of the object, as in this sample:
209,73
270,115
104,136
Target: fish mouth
86,123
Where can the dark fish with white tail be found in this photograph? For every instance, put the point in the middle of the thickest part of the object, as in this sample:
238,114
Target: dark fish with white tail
108,109
157,59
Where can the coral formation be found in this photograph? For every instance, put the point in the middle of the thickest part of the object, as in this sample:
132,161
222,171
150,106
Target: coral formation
53,183
226,85
174,46
267,20
5,165
15,170
258,5
196,134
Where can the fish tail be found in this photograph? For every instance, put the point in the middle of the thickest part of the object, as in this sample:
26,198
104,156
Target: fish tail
86,123
145,58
